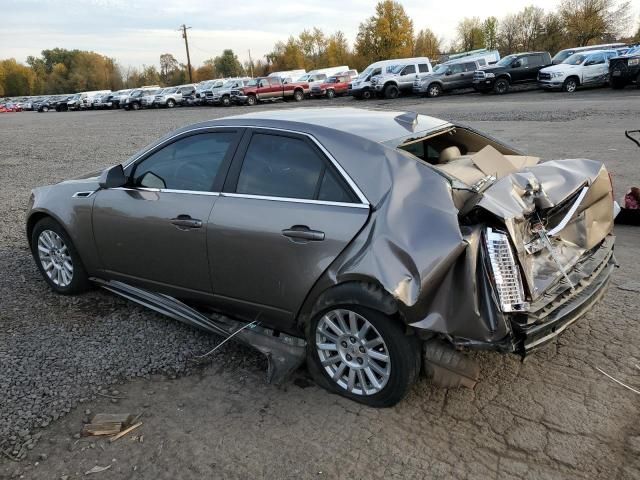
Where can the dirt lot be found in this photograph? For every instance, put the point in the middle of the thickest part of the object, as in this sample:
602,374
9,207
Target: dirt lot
553,416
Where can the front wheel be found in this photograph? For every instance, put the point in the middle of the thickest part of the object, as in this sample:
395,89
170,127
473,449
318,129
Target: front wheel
57,258
570,85
45,109
367,94
298,95
434,90
171,103
331,94
501,86
391,92
362,354
251,100
135,106
226,101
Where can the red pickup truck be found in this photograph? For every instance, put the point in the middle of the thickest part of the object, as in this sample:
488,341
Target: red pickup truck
333,86
268,88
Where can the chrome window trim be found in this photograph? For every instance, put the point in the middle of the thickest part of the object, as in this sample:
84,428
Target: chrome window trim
363,199
168,190
294,200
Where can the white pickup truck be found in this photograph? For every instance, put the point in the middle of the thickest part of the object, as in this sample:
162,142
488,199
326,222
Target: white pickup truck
589,68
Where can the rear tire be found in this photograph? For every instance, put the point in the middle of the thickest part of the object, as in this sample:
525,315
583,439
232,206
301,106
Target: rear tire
376,365
501,86
135,106
570,85
45,109
391,92
57,259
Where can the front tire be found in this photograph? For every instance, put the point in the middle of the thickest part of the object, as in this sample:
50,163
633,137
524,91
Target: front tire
434,90
362,354
391,92
501,86
171,103
135,106
298,95
251,100
331,94
57,259
226,101
367,94
570,85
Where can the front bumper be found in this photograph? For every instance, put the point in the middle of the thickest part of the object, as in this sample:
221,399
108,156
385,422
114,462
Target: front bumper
239,99
550,84
483,85
419,89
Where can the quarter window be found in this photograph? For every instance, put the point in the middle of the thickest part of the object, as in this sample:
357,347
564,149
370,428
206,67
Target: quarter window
423,67
190,163
409,69
280,166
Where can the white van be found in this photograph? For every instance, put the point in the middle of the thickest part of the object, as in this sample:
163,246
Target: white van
320,75
362,87
562,55
288,73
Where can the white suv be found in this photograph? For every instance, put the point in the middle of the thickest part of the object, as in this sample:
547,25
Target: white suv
400,78
589,68
173,96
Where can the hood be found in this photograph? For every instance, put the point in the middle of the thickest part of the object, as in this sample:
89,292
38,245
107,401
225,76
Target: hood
560,67
491,68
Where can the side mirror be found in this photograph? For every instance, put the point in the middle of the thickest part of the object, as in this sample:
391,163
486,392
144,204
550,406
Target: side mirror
112,177
516,64
448,72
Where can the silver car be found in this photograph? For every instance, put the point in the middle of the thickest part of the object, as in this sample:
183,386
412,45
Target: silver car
372,244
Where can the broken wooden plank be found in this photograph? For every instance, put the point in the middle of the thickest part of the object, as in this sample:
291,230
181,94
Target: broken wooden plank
106,428
125,431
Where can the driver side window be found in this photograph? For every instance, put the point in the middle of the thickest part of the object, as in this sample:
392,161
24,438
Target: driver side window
190,163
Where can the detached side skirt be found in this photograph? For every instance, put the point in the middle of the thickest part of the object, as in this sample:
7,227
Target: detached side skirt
285,354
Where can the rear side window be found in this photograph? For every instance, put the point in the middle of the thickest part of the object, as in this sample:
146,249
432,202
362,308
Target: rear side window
190,163
470,67
279,166
423,67
536,60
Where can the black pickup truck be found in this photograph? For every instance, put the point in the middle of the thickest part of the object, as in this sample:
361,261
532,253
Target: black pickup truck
625,69
516,69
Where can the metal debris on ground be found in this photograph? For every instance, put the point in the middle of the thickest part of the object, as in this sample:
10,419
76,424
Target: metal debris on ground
97,469
618,381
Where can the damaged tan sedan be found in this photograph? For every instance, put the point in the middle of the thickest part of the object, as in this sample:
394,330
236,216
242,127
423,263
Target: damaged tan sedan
372,244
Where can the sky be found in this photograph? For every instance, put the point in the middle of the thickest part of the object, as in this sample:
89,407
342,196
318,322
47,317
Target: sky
136,32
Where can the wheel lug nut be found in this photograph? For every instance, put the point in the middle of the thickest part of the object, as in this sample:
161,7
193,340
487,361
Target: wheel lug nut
352,339
349,357
360,361
361,349
344,344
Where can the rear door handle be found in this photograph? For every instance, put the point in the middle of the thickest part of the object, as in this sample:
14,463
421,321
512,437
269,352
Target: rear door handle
186,222
302,232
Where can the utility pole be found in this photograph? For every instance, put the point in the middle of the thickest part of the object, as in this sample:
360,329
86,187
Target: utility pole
250,63
184,29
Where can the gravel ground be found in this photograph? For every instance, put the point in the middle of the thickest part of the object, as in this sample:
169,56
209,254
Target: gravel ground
553,416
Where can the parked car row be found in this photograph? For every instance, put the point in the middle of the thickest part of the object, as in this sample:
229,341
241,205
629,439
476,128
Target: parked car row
616,65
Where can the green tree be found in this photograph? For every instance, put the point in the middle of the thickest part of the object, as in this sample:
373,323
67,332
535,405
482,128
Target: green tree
168,67
228,64
594,20
337,50
490,32
470,34
18,79
530,27
427,45
387,34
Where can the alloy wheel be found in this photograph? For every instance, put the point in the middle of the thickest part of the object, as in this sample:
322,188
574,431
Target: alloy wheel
352,352
55,258
434,91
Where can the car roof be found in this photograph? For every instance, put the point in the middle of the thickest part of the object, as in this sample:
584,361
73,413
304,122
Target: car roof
374,125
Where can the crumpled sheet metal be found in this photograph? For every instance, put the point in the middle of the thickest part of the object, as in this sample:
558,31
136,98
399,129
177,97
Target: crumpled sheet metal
415,247
558,181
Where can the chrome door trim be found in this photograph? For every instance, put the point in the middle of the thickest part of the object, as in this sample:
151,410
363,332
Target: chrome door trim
363,199
294,200
168,190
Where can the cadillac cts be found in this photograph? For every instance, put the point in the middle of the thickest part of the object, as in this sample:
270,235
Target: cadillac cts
373,244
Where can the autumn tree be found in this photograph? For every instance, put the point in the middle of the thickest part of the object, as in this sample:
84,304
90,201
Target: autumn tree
594,20
227,64
207,71
313,46
18,79
553,36
530,27
427,44
337,50
490,32
387,34
470,34
508,34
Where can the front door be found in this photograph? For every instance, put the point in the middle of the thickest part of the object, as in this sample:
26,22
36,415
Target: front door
595,69
153,231
285,214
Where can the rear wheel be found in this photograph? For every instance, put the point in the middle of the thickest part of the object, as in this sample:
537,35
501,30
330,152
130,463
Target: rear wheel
135,106
434,90
362,354
331,93
57,258
45,109
391,92
501,86
570,85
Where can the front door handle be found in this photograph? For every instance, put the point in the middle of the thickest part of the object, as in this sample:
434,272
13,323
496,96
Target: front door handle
186,222
302,232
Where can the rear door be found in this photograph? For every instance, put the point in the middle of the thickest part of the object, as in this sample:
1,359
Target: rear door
153,232
285,214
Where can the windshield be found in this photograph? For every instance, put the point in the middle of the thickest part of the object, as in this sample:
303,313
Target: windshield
575,59
441,68
229,83
74,97
506,61
332,80
395,69
253,82
304,78
633,51
562,56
